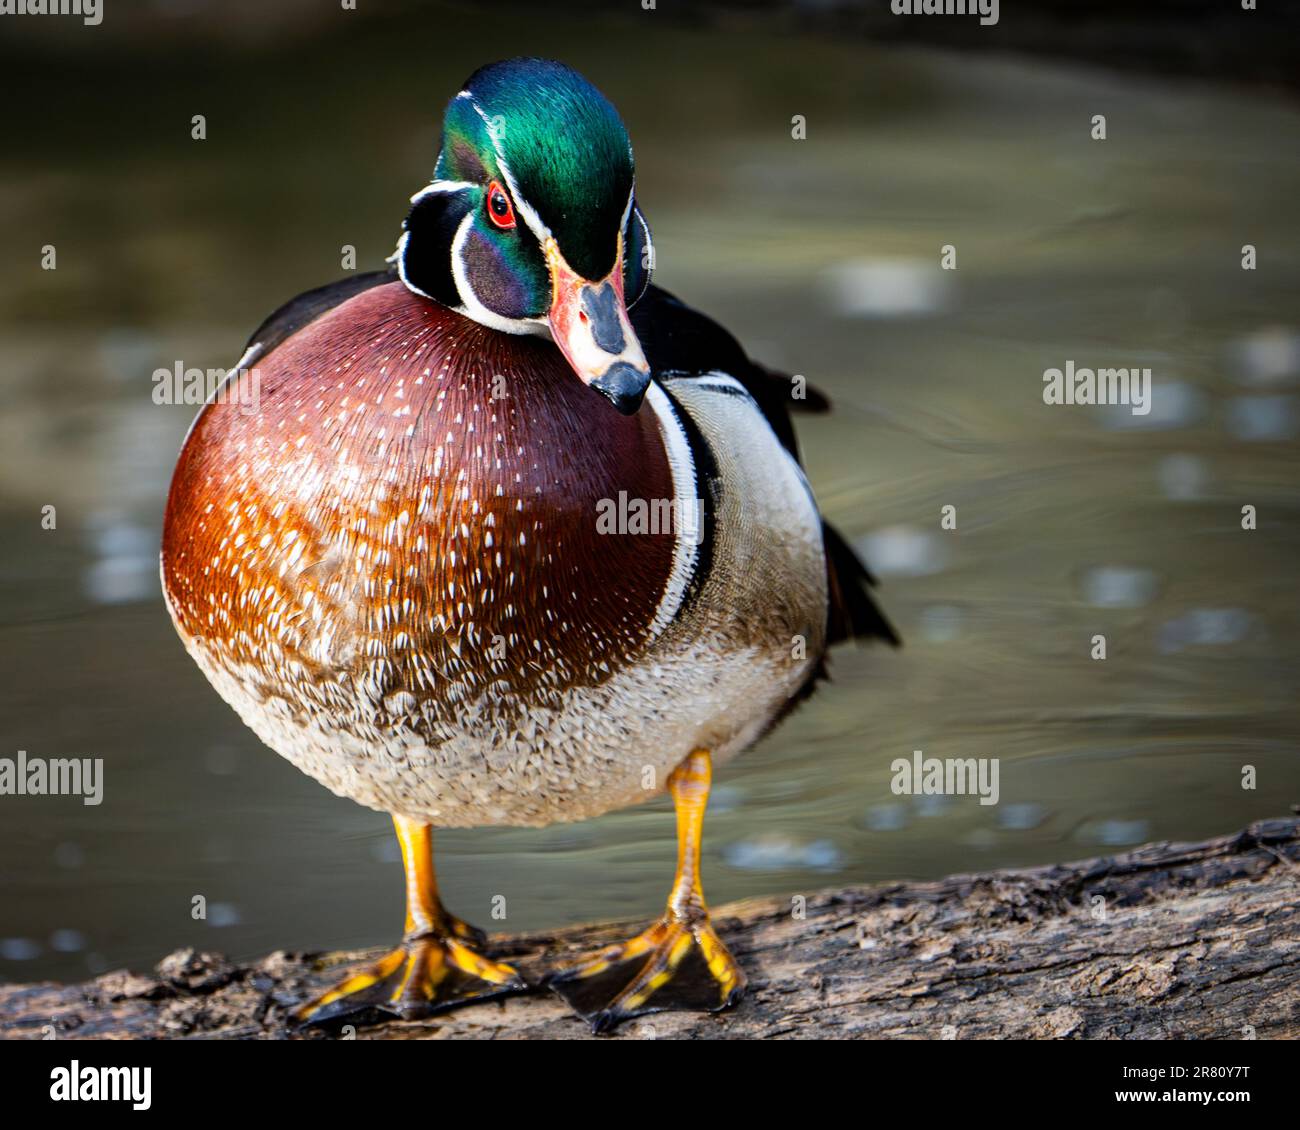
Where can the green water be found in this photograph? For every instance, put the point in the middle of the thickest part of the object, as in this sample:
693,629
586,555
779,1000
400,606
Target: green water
822,256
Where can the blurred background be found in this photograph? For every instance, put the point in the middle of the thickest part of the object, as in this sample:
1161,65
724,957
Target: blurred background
822,255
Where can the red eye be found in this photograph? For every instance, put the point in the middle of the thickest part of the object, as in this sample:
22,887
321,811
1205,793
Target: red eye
499,206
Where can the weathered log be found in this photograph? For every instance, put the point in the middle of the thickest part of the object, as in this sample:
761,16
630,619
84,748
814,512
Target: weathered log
1169,941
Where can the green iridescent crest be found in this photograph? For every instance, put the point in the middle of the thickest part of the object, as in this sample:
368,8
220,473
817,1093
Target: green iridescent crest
560,154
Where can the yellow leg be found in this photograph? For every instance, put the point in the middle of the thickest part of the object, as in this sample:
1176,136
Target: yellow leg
680,960
438,964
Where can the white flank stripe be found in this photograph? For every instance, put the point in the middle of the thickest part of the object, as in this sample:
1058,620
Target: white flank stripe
685,493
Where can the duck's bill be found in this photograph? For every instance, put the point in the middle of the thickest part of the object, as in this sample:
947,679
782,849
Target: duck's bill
589,323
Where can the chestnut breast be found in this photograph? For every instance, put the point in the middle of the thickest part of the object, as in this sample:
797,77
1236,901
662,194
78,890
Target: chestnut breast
408,521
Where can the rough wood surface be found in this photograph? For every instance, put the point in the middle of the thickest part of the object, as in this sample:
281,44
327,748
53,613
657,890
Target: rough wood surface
1169,941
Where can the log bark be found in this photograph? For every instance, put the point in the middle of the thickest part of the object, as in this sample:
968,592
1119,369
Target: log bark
1169,941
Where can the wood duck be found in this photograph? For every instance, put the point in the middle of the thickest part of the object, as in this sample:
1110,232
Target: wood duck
512,537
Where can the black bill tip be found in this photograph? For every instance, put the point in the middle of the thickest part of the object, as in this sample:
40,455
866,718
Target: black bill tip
623,385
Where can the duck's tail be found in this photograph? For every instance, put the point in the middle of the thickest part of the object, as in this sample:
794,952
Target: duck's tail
853,612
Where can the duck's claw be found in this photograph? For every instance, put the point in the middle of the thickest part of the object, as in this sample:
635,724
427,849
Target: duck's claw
675,964
423,976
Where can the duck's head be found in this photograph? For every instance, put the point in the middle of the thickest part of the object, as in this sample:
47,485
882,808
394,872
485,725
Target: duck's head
530,224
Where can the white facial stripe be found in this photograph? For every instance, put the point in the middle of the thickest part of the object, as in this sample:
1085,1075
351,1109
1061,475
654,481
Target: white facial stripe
627,208
431,189
531,218
686,548
434,187
471,306
649,244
